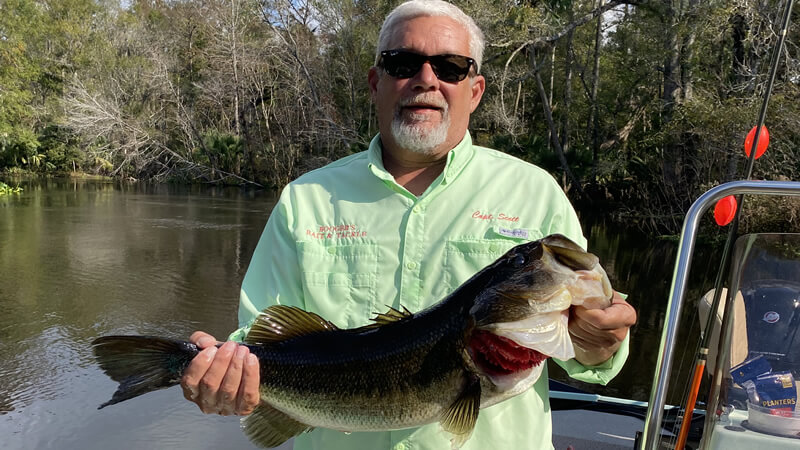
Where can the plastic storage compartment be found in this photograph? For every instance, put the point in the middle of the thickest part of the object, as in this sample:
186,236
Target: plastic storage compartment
780,423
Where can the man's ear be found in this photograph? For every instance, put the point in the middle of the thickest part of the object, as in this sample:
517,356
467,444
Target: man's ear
372,79
477,88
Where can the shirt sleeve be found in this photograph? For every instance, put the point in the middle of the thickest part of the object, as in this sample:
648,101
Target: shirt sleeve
565,219
273,276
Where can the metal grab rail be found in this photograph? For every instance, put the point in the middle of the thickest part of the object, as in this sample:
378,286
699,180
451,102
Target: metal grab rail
655,410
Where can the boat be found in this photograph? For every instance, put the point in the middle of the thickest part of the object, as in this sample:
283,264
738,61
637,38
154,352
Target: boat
762,321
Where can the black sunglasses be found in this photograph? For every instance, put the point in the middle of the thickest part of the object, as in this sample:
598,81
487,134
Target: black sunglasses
405,64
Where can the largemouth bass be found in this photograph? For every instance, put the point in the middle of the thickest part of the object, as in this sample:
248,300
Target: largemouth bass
480,345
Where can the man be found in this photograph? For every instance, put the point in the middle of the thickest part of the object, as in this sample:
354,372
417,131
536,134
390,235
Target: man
404,223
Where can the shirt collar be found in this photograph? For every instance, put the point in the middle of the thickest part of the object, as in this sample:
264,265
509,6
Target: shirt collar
457,159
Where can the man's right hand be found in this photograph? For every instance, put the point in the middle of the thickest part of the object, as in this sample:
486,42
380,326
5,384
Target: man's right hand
221,380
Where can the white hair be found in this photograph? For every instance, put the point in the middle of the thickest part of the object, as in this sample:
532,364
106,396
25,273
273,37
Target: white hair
431,8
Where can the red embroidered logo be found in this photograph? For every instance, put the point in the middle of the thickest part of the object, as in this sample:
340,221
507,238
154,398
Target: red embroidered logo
481,215
336,232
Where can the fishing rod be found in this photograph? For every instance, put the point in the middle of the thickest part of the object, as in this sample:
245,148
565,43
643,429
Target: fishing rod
726,208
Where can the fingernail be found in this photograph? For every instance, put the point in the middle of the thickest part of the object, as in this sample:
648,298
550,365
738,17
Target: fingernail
204,341
210,353
228,347
252,360
241,352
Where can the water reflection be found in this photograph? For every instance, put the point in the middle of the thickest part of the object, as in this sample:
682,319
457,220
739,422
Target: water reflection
83,259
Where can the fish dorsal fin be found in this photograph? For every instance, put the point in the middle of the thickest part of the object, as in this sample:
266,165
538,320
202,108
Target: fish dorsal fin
570,253
268,427
280,322
459,419
391,316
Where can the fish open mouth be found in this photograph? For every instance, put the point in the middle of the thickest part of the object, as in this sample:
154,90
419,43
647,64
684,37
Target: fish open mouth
498,356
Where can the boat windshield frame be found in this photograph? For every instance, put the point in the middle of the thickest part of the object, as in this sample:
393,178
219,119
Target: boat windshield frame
655,412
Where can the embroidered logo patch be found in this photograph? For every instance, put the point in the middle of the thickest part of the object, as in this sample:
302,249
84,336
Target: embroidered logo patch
484,215
516,233
336,232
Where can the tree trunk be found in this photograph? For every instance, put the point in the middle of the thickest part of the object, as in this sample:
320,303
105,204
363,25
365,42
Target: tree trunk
568,56
670,96
592,124
550,92
548,114
687,52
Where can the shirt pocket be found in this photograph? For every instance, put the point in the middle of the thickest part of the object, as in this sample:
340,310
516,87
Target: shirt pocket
466,256
339,281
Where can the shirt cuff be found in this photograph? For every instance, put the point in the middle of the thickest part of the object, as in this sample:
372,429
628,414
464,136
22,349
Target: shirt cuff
238,335
601,373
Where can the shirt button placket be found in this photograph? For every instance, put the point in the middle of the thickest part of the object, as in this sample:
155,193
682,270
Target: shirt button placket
412,252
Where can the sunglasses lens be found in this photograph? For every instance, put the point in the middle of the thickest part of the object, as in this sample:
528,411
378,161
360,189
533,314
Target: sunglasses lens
402,64
448,68
451,68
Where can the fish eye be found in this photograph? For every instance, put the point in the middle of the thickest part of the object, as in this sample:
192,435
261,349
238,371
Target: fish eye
518,261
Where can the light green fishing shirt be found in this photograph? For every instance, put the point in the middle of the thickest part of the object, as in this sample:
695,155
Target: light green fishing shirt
346,240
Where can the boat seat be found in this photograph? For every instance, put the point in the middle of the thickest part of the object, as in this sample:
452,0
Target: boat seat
739,344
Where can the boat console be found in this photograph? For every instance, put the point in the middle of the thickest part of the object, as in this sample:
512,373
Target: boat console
758,396
755,362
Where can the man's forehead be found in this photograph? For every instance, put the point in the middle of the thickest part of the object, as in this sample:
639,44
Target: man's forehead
430,35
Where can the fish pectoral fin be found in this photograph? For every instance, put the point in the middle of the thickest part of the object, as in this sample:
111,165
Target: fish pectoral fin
460,417
281,322
268,427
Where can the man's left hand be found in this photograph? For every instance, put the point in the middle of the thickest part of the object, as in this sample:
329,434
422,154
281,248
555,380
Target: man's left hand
598,333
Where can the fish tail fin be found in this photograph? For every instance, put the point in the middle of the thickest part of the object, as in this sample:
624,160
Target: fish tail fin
141,364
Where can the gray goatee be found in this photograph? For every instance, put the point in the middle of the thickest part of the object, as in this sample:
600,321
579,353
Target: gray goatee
411,131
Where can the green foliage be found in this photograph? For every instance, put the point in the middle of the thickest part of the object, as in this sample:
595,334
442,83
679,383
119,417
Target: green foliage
222,151
6,189
61,150
262,90
17,147
19,20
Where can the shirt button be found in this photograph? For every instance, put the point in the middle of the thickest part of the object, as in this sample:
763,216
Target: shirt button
416,209
412,265
332,250
494,248
400,446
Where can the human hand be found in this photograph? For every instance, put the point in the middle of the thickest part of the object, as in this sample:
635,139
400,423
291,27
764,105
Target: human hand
221,380
597,333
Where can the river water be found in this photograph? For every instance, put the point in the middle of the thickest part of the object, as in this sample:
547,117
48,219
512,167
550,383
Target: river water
83,259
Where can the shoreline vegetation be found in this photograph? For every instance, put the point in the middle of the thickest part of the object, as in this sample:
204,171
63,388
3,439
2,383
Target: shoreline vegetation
636,107
6,189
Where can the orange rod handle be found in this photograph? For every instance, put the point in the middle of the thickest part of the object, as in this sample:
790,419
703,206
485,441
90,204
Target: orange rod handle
689,411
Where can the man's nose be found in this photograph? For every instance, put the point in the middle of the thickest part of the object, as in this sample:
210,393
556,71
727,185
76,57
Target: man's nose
425,79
